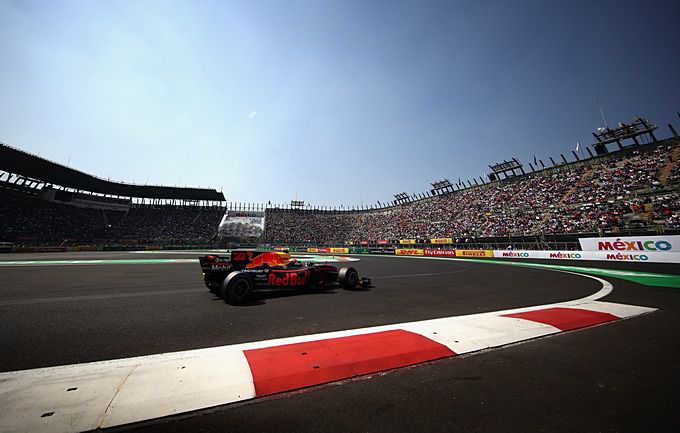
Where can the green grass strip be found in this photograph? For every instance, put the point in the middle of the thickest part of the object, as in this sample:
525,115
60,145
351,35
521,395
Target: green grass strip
645,278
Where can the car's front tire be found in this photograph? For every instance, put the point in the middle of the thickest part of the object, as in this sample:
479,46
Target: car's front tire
236,287
348,278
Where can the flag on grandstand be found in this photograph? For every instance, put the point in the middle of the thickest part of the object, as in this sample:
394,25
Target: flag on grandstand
535,160
578,145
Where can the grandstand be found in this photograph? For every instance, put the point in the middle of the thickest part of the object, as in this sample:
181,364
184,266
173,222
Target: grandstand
46,204
632,190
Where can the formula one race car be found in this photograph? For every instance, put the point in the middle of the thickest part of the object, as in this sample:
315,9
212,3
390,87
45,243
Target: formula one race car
246,271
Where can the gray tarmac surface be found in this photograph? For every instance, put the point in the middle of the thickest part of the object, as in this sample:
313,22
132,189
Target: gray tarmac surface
616,377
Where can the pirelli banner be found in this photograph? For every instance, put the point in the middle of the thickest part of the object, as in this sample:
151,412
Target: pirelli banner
329,250
407,241
409,252
474,253
632,244
441,241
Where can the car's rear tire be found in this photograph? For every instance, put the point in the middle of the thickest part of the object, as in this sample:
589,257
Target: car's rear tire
348,278
237,287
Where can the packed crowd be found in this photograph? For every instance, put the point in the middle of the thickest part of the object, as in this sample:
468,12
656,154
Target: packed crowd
26,218
628,190
667,210
169,223
674,173
608,194
621,176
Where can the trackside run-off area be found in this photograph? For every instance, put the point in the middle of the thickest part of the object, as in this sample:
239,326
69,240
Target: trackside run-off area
136,342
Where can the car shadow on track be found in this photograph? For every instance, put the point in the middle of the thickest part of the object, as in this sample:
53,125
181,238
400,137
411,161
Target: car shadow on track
260,298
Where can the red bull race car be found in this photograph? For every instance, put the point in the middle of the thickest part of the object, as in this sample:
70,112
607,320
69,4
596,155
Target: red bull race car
246,271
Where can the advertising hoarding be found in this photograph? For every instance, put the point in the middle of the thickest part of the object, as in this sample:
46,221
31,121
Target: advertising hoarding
632,244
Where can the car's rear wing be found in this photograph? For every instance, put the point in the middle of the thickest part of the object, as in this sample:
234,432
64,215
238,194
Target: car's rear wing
213,262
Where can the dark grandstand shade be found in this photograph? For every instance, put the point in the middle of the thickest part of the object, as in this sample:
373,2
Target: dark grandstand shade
23,164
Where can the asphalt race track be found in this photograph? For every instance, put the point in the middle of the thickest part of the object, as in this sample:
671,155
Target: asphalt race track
621,376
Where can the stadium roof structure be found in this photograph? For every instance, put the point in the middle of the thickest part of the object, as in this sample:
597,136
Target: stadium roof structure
22,163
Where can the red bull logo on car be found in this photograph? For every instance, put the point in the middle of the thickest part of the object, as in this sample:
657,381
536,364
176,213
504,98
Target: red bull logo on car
269,259
288,278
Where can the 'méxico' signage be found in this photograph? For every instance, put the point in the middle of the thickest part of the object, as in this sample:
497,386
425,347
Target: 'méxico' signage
632,244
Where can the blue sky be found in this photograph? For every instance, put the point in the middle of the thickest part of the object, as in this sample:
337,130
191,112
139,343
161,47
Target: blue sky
328,102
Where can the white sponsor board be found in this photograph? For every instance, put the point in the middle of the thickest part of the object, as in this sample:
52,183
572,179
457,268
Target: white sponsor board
526,254
605,256
634,256
632,244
